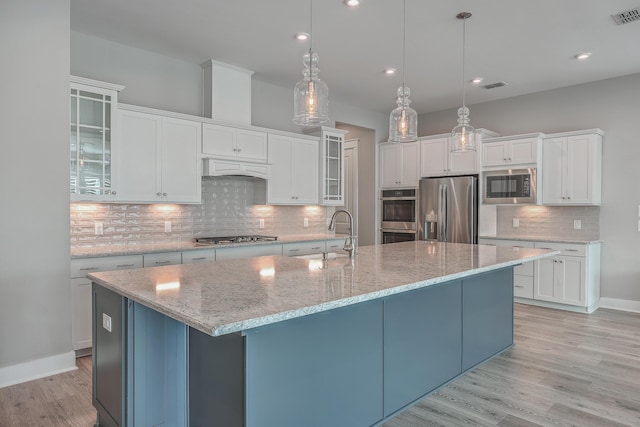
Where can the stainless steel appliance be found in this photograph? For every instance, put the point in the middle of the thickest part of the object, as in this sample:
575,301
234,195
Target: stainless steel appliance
210,241
510,186
448,209
399,210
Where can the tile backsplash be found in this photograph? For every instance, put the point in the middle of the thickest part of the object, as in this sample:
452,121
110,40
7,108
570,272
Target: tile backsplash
549,221
227,209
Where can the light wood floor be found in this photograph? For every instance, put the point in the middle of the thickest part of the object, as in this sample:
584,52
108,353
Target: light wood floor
566,369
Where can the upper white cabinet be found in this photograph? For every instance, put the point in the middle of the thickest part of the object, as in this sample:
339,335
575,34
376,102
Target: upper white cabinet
159,159
511,151
399,164
232,143
92,108
294,171
572,168
331,181
436,159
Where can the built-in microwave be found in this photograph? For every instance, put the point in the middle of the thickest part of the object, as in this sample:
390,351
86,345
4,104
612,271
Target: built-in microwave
509,186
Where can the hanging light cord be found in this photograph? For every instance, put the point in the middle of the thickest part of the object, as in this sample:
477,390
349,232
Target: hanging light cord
404,35
464,37
311,28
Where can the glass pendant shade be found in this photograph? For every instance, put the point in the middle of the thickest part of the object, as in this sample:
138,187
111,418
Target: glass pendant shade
403,121
463,136
310,95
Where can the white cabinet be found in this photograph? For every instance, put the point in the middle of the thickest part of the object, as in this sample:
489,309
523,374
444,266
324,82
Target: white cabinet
81,292
160,259
294,171
571,169
399,164
159,159
232,143
511,151
436,159
248,251
523,274
571,278
197,256
331,181
92,142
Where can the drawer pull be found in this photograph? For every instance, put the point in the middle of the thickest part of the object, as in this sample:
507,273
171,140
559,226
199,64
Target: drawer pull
518,286
89,268
316,248
198,258
162,262
124,265
571,250
294,250
547,248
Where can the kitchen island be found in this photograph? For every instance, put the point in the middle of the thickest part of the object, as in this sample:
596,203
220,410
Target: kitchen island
275,341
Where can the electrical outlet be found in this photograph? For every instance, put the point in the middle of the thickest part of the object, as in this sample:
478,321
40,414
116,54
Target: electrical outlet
306,222
106,322
261,223
516,222
167,226
99,228
577,224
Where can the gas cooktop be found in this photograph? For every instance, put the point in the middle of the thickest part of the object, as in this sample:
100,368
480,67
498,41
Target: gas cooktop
210,241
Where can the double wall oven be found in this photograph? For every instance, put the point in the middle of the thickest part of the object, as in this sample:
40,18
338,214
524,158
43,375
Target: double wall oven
398,211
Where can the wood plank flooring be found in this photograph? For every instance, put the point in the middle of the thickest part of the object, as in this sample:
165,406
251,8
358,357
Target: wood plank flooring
567,369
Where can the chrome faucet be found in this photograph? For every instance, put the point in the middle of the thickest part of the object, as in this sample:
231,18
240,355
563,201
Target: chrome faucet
348,243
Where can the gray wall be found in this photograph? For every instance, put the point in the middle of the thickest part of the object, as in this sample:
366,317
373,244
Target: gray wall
367,184
34,180
612,105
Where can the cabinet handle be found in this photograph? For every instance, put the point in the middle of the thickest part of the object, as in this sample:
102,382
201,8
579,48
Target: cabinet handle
124,265
158,194
89,268
114,193
568,197
509,159
571,250
164,194
518,286
162,262
316,248
294,250
547,248
239,150
198,258
516,246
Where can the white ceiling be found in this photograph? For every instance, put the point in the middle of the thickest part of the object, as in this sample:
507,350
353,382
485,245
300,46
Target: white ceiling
529,44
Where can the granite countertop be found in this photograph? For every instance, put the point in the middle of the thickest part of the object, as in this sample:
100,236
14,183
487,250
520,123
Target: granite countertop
113,250
543,239
235,295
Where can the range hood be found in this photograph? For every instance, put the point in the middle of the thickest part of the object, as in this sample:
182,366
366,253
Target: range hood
217,167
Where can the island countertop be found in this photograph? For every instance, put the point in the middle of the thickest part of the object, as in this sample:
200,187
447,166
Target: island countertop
231,296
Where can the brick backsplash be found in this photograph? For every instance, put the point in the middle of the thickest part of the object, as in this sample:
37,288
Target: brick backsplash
227,209
549,221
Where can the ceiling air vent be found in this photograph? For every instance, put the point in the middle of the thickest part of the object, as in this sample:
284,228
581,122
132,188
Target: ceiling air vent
627,16
494,85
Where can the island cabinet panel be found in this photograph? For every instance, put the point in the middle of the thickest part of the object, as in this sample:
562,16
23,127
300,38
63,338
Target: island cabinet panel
422,343
216,380
316,371
487,316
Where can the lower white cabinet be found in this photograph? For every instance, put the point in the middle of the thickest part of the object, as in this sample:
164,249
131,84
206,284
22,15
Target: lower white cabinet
160,259
248,251
81,292
570,280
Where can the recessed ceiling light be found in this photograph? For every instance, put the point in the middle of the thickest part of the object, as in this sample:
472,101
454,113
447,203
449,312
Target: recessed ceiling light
389,71
302,36
582,56
352,3
476,80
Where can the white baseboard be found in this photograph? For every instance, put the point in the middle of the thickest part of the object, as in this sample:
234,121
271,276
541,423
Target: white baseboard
39,368
620,304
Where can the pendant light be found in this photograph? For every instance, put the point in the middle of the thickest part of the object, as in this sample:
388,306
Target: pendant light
403,121
310,95
463,136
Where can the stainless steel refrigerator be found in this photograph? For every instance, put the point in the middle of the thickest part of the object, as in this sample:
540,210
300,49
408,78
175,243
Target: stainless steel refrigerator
448,209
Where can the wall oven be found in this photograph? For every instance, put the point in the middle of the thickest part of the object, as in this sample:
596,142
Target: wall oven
509,186
398,211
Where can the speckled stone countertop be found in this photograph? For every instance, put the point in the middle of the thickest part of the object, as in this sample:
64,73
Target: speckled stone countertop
542,239
113,250
224,297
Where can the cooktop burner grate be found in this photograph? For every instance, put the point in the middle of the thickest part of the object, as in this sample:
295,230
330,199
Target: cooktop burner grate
209,241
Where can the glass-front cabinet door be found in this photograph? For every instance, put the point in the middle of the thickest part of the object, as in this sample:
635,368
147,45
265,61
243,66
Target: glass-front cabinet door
92,108
331,164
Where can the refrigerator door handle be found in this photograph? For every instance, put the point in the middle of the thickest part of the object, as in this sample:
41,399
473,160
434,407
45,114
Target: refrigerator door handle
471,196
442,214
